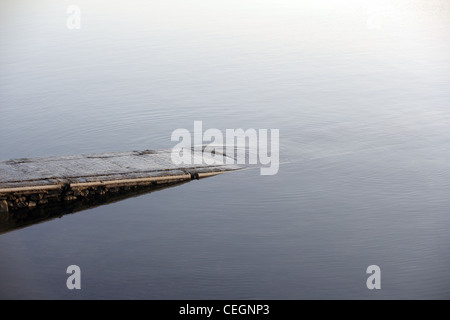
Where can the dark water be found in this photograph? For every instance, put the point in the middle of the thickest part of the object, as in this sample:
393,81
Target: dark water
358,89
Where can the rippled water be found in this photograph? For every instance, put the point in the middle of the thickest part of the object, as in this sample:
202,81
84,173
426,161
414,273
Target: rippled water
358,89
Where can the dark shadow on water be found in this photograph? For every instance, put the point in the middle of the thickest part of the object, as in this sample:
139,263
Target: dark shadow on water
23,218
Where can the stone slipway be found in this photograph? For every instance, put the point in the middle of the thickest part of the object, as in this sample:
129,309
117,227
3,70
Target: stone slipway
33,182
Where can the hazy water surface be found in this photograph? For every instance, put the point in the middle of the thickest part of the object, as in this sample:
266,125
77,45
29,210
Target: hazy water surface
359,91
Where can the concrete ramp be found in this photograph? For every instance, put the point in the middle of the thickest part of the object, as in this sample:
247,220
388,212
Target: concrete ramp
33,182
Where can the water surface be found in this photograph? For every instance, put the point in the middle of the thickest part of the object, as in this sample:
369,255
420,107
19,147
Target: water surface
358,89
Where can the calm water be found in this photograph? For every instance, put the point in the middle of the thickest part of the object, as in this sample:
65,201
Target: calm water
359,91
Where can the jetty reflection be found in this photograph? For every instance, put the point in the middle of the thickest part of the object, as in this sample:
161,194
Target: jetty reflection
22,218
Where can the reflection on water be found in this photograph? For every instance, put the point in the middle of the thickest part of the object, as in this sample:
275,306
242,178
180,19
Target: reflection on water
22,218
